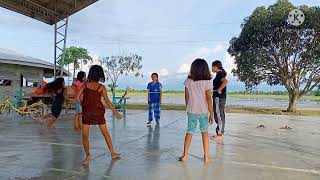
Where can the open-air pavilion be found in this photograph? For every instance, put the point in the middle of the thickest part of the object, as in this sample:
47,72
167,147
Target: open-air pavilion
28,150
51,12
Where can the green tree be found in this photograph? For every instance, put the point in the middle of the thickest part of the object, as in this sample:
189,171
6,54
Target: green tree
317,93
74,55
116,66
270,50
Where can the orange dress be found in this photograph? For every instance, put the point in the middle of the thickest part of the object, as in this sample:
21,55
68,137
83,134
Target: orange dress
92,108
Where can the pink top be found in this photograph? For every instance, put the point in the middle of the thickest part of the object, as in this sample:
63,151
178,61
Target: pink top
78,86
197,98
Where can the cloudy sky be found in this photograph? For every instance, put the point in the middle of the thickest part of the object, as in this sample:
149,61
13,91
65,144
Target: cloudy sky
168,34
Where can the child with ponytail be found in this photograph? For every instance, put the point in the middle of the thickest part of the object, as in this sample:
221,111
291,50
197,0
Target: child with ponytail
219,98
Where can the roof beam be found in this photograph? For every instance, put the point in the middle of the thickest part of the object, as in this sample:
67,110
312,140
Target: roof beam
30,8
47,11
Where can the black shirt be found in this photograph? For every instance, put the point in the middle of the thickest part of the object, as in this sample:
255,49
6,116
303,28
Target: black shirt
217,82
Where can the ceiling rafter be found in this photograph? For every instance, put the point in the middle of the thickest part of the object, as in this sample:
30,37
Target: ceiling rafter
44,10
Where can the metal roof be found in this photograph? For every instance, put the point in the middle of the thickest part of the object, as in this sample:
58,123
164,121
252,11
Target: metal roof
47,11
8,56
13,57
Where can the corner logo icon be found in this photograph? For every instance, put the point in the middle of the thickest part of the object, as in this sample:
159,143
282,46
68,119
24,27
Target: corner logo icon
296,17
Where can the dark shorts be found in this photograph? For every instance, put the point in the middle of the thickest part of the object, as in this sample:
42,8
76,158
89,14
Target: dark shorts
56,109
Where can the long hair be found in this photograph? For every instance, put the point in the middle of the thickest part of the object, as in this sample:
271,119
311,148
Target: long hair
96,74
80,76
218,64
199,70
54,86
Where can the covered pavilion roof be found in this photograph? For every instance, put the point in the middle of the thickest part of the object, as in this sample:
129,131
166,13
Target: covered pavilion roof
47,11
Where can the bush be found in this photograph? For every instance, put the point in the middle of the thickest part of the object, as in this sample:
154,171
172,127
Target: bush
317,93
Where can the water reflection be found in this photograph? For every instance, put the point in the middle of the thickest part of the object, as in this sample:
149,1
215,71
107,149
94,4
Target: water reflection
86,172
152,147
63,157
110,166
234,101
190,172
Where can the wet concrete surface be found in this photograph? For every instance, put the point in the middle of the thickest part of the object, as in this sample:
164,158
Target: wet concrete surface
29,150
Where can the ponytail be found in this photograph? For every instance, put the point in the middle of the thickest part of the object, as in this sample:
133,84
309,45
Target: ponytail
218,64
224,72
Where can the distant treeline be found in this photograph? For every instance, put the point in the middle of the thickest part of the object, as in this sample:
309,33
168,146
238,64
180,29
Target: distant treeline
316,93
260,92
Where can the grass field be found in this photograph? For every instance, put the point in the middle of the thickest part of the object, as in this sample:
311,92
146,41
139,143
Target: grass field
231,94
239,95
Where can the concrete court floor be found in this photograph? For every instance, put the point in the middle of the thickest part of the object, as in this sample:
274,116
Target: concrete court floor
31,151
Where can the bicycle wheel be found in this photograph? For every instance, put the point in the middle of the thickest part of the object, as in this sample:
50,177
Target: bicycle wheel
41,110
4,111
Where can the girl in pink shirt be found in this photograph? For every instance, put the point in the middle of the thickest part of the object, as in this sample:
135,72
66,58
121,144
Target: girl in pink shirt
76,86
199,105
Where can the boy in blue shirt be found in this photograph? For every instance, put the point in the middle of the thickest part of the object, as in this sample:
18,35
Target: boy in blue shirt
154,98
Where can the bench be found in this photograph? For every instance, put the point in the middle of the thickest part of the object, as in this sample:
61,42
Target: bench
120,102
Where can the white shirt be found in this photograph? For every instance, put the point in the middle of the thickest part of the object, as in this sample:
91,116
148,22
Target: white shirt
197,103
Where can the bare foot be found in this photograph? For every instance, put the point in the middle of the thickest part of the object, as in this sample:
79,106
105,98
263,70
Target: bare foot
40,120
217,137
182,158
207,159
214,136
77,128
49,125
87,160
115,155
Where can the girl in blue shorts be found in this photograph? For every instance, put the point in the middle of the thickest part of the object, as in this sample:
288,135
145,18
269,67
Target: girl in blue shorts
76,86
199,105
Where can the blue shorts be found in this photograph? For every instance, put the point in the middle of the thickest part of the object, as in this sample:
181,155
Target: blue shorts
78,107
193,120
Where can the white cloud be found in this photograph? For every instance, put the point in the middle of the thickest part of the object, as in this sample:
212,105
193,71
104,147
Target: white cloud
184,68
161,72
164,72
203,52
228,64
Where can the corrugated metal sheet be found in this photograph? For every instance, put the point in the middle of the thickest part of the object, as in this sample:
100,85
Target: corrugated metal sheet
15,57
8,56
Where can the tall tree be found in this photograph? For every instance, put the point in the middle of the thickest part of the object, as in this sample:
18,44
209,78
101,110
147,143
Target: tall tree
116,66
74,55
271,50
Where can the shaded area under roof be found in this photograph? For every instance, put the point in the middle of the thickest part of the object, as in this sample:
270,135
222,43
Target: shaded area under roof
47,11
